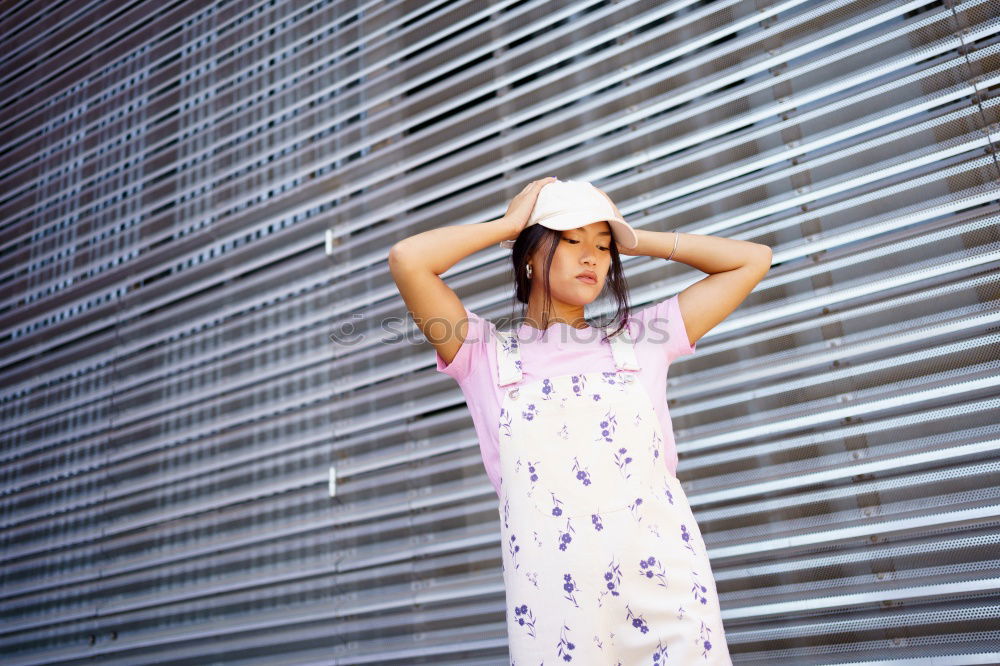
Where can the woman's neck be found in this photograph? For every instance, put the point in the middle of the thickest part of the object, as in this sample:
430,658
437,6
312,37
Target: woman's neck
572,319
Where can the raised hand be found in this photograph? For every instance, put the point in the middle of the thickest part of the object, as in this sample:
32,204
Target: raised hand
519,210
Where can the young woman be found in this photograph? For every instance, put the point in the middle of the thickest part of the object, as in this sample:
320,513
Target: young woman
603,561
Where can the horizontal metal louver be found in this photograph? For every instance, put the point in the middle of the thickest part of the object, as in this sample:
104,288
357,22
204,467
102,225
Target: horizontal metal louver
224,441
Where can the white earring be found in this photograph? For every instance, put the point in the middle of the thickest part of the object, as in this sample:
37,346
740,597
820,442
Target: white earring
527,269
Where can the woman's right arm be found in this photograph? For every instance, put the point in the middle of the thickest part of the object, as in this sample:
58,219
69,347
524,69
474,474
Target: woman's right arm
417,262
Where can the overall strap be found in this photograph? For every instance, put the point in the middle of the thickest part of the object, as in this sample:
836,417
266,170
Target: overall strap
508,355
623,350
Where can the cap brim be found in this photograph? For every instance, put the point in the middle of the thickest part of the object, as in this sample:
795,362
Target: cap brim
622,231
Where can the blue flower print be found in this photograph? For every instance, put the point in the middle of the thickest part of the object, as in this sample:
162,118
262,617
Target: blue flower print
597,397
509,344
565,538
533,472
666,491
569,586
596,520
609,378
556,505
651,568
529,413
582,475
525,618
634,507
546,389
698,590
579,383
704,637
565,645
564,431
513,549
686,536
622,459
637,620
504,423
660,652
612,579
608,426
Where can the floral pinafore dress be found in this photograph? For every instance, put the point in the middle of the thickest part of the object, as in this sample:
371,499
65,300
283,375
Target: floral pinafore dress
603,562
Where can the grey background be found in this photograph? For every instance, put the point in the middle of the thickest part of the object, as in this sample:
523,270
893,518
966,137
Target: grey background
198,199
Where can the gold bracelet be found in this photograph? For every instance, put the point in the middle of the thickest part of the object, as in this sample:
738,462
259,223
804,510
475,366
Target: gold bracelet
676,238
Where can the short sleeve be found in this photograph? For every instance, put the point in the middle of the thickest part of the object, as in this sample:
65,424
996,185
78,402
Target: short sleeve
472,353
661,324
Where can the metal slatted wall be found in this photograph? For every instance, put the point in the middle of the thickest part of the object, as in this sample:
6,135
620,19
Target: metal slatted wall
198,322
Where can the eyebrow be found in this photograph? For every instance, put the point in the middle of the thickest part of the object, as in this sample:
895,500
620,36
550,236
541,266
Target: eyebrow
599,233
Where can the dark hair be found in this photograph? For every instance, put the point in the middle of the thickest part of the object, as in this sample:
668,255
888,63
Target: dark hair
539,237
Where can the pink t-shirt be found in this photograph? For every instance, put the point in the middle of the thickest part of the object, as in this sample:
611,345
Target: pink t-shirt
657,331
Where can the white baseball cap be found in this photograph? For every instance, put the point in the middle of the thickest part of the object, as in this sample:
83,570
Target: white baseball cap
568,204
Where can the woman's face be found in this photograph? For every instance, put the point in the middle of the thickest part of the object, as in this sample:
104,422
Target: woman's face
579,250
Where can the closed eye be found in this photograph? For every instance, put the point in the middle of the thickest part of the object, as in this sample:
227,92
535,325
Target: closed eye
600,247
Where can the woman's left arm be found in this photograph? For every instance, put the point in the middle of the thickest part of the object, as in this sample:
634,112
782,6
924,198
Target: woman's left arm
735,268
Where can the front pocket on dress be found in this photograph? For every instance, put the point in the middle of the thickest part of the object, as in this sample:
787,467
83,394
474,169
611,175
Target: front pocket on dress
568,485
579,446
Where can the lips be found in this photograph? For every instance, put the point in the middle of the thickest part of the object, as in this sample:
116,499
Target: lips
587,277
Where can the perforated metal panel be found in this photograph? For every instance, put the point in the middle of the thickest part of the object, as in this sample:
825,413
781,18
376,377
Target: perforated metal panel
224,441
